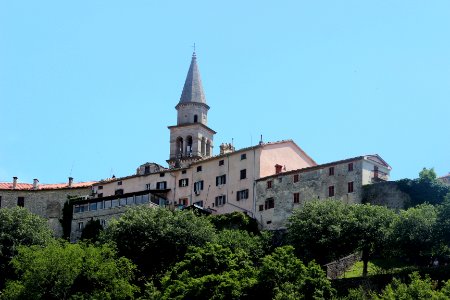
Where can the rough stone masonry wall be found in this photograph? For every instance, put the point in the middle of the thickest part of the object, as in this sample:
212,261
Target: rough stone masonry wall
45,203
312,184
338,267
385,194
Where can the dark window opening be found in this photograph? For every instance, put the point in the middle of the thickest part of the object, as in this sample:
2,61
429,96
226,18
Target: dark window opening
118,192
331,171
350,167
21,201
350,187
221,162
269,184
183,182
221,180
147,170
243,156
199,168
261,207
183,172
195,118
331,191
244,174
296,178
296,197
269,203
119,182
162,174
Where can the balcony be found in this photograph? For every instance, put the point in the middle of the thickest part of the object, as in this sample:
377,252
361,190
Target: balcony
378,176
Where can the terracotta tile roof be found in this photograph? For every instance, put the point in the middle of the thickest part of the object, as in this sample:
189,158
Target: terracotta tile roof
51,186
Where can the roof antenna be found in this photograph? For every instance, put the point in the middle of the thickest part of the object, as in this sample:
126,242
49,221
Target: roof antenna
261,141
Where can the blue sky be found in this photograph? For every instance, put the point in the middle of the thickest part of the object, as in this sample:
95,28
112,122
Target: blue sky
88,88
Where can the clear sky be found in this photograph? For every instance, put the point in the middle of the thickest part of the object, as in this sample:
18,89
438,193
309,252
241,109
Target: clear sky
88,88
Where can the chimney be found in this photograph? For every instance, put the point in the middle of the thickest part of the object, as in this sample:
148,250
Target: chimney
35,184
14,185
70,181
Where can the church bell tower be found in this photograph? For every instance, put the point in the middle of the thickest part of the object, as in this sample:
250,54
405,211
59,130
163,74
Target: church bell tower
191,139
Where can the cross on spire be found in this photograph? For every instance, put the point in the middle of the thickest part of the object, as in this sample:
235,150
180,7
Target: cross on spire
193,54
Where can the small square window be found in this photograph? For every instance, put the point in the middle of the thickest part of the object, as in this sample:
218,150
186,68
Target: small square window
147,186
100,195
119,182
221,162
199,168
331,171
183,182
183,172
269,203
296,177
243,156
162,174
350,167
261,207
100,187
269,184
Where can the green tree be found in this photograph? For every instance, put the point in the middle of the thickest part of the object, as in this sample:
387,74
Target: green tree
371,227
91,231
442,226
413,235
427,174
234,220
63,271
319,230
155,238
283,276
256,245
418,289
19,227
210,272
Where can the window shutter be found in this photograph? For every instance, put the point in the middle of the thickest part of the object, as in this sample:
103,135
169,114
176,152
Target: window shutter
217,181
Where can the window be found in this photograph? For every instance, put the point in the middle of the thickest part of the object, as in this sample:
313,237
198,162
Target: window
296,197
331,171
269,184
198,186
183,182
195,118
118,192
183,201
199,168
222,179
161,185
100,187
240,195
350,167
100,195
93,206
350,187
80,226
183,172
119,182
244,174
147,170
331,191
269,203
221,162
162,174
296,178
261,207
147,186
21,201
243,156
220,200
199,203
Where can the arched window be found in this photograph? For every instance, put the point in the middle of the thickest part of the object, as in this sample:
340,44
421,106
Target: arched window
195,118
180,147
208,148
203,146
189,146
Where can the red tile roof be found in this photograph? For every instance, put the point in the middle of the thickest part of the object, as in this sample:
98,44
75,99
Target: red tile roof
51,186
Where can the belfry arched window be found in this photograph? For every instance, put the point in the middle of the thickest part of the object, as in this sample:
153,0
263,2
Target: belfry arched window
180,146
189,145
195,118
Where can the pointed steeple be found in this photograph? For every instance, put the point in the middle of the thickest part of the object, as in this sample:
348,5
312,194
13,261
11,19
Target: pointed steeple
193,89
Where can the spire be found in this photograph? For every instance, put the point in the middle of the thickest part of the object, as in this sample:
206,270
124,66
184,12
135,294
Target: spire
193,89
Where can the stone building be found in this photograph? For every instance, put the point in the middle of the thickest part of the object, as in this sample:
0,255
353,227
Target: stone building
45,200
279,194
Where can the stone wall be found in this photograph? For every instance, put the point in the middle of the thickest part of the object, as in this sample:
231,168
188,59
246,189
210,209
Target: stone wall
385,194
313,183
338,267
45,203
